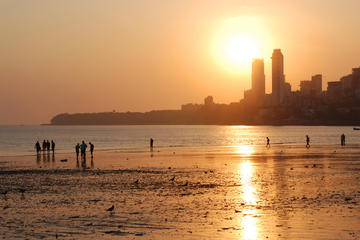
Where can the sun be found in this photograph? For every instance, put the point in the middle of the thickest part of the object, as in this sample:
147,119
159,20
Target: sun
237,41
240,49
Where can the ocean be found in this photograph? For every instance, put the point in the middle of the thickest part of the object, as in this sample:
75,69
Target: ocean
20,140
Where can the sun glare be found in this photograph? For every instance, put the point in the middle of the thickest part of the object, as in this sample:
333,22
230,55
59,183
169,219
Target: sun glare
237,41
240,49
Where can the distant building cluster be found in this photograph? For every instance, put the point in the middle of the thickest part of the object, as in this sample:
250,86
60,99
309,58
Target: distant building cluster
347,87
338,104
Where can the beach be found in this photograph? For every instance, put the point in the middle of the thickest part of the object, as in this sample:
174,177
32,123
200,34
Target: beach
240,192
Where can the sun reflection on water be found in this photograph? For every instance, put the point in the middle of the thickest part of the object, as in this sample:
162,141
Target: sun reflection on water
244,150
249,197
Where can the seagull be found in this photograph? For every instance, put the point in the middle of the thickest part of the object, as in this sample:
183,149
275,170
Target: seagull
110,209
4,192
137,181
172,179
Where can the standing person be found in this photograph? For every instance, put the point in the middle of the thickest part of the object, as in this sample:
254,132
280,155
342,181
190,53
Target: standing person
77,150
52,146
307,141
48,145
83,147
37,147
151,144
267,142
44,145
91,149
342,139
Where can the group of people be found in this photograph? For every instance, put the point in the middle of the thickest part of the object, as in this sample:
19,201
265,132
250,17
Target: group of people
81,148
342,139
46,146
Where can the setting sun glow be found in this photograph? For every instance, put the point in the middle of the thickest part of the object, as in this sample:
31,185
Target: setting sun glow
240,49
237,41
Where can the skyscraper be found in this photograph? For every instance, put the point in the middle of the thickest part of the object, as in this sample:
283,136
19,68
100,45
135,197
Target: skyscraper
277,77
258,80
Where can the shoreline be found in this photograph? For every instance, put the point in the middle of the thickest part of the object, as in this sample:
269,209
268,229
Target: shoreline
248,192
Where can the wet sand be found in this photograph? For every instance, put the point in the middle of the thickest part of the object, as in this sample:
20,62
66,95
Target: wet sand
245,192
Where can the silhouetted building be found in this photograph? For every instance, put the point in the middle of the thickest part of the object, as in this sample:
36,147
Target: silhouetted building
209,100
316,84
191,107
356,81
287,89
334,91
311,88
346,83
278,78
258,81
305,88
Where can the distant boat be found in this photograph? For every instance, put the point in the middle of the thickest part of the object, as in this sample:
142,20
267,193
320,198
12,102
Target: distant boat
356,128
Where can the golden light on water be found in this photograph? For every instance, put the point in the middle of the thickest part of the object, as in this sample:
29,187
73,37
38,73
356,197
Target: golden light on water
249,197
237,41
244,150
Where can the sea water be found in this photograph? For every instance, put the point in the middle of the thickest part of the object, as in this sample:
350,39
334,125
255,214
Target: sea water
20,140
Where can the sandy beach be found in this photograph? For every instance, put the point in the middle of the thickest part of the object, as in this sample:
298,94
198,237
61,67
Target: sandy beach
244,192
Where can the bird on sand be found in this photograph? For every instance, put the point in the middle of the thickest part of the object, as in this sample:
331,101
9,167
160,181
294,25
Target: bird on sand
110,209
172,179
137,181
4,192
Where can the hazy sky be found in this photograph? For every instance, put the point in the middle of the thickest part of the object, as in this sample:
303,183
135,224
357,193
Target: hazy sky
139,55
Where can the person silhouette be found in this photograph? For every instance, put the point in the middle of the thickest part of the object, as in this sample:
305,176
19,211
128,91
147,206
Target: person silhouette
47,145
267,142
83,147
52,146
77,150
91,149
342,139
307,141
44,145
151,144
37,147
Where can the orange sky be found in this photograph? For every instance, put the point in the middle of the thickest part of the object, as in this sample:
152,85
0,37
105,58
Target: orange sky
139,55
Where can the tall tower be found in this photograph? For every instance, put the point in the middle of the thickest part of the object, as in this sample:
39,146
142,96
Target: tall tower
258,80
277,77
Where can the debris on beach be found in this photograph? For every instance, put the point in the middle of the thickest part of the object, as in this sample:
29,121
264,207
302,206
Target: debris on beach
110,209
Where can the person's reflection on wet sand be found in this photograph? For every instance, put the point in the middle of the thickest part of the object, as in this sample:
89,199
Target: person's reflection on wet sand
92,163
38,159
77,163
83,162
52,160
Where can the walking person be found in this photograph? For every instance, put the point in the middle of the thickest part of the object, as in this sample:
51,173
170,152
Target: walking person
77,150
91,149
307,141
267,142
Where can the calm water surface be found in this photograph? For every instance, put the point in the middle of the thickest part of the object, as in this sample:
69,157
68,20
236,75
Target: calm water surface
20,140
